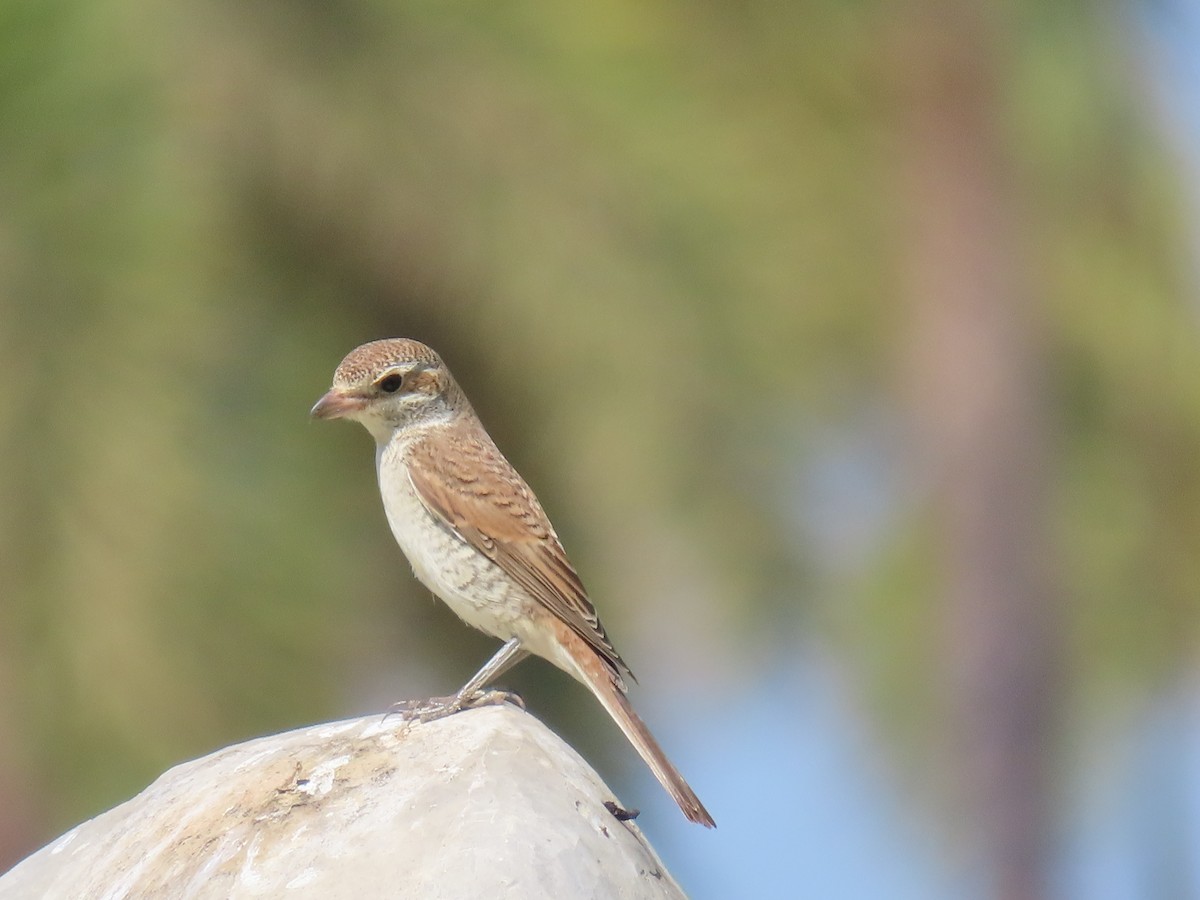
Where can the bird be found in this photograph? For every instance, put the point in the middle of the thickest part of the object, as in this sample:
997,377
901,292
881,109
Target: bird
477,537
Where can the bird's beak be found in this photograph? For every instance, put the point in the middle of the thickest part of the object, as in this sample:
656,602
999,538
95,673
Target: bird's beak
337,404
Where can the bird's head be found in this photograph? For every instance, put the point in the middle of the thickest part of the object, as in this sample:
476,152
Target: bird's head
389,385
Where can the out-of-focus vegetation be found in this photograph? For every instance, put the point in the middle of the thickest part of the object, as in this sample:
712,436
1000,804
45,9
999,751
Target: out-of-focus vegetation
668,250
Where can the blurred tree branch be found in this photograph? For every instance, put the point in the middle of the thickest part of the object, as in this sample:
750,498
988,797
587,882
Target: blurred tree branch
978,396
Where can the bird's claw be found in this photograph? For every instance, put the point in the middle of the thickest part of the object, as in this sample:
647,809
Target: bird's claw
496,697
434,708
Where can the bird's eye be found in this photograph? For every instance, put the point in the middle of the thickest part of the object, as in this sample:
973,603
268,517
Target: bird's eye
391,383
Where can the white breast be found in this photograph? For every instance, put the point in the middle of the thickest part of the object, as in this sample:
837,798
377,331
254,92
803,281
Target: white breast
469,583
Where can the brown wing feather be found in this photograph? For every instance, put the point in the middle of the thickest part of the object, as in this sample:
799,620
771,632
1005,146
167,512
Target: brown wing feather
479,495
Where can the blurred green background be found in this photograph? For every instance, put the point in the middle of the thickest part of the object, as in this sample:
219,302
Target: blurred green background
851,346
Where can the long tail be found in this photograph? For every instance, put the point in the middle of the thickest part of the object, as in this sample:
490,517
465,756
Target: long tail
596,676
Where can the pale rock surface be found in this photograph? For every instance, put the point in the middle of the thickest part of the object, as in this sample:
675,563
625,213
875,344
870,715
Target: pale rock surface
487,803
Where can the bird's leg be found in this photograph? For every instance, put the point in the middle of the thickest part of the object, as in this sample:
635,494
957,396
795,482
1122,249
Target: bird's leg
506,657
472,693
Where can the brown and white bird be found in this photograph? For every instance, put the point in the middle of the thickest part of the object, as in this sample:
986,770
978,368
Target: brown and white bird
477,537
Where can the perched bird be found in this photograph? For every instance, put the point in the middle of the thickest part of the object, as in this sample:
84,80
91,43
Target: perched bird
477,537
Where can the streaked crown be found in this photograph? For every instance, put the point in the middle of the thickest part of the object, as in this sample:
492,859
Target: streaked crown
365,364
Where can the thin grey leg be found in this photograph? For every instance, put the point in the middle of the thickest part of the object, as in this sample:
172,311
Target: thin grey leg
472,693
506,657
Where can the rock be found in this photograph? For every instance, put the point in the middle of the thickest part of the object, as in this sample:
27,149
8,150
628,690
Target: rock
485,803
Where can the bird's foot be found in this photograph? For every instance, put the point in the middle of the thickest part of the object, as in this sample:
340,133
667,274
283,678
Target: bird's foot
435,708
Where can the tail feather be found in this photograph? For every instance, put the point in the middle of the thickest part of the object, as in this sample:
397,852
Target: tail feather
597,677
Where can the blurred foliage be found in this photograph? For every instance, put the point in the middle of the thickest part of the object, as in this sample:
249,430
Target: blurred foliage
656,241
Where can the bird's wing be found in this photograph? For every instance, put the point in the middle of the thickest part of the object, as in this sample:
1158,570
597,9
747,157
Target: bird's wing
476,493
